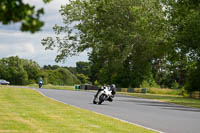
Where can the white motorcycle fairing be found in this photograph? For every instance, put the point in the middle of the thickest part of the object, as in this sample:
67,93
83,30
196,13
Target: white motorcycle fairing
103,95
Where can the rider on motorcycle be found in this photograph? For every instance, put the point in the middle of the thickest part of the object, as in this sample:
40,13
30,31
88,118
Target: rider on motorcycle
40,83
111,87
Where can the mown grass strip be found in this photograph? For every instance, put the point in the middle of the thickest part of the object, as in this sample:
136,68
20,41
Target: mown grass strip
25,110
49,86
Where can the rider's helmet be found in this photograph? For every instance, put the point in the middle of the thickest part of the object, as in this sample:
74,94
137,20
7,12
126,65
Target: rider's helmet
113,86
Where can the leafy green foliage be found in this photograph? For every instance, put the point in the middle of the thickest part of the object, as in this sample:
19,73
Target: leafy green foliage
183,17
145,84
49,67
84,79
14,11
175,85
132,41
21,72
193,80
60,76
33,70
117,32
83,67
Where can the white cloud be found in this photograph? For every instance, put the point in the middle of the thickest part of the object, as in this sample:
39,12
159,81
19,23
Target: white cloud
26,45
29,48
22,50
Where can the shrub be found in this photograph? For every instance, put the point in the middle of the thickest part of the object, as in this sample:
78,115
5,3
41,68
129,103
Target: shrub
155,85
96,83
84,79
175,85
145,84
163,91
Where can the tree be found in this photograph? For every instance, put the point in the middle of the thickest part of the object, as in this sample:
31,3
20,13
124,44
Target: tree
193,80
22,71
60,76
14,11
12,70
71,69
51,67
83,67
33,70
184,20
123,35
82,78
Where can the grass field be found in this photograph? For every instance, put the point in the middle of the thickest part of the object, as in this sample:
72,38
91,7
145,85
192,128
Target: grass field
49,86
26,111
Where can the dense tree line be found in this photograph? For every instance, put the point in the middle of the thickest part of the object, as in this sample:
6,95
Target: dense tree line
82,71
19,71
133,41
22,72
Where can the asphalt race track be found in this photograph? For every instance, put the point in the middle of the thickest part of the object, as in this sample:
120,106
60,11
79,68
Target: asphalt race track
164,117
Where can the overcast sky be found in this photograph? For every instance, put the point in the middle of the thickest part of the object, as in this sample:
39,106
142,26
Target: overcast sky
26,45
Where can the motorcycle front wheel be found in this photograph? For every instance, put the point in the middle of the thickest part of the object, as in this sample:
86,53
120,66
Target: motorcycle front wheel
94,100
40,85
101,99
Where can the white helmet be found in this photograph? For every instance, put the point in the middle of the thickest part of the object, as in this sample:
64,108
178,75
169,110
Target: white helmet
113,86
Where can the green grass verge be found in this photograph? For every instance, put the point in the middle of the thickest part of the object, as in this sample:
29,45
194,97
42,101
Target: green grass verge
26,111
164,91
177,99
49,86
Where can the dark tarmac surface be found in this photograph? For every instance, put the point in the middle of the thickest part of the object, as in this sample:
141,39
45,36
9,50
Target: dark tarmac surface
164,117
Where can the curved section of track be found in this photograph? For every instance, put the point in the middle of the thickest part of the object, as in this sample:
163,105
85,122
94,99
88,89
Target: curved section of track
165,117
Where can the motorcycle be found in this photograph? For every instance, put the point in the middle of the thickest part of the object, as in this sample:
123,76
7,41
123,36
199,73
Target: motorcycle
40,84
104,95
